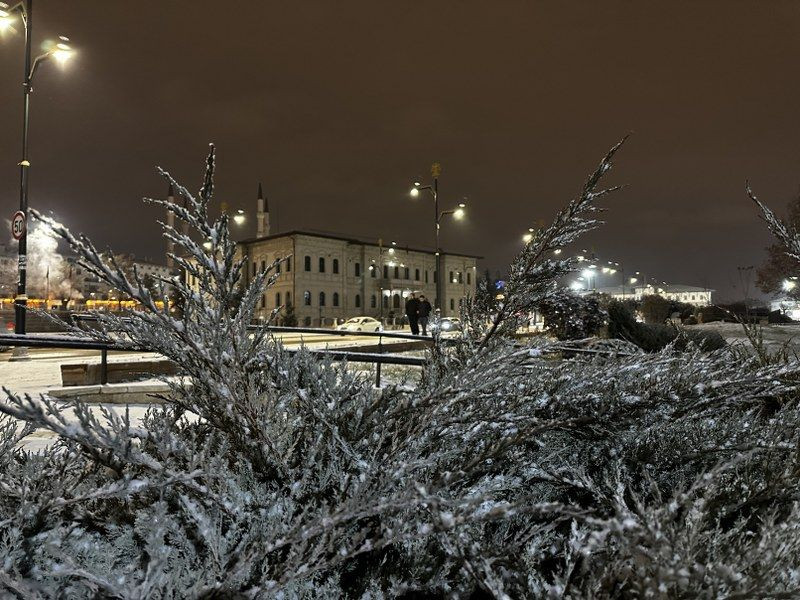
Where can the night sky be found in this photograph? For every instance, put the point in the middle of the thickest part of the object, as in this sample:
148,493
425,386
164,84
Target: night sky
338,106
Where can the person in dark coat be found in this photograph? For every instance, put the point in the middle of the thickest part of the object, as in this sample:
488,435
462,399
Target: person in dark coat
423,313
412,312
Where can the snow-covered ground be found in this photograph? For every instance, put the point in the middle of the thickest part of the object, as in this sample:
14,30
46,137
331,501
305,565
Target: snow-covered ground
774,335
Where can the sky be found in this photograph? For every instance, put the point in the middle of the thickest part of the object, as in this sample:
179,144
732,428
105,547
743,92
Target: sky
337,107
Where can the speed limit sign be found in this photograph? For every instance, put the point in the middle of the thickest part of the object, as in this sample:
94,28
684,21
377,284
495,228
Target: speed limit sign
18,224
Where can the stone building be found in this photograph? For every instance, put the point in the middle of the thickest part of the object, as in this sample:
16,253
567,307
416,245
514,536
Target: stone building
330,277
687,294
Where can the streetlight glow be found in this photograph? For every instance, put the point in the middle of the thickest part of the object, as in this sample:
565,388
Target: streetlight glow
414,192
458,213
62,51
789,285
239,218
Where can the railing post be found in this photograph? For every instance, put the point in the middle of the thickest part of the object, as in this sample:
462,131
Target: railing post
378,368
104,366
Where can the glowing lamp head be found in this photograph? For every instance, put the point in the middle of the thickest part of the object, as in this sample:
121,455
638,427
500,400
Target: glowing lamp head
62,51
527,238
587,273
458,213
788,285
557,251
239,217
5,20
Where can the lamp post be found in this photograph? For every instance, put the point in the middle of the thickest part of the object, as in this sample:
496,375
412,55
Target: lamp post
60,51
436,170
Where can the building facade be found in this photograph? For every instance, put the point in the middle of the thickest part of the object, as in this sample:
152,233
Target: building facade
687,294
327,278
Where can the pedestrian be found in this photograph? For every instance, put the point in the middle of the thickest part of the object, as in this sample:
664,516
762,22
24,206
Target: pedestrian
412,312
424,312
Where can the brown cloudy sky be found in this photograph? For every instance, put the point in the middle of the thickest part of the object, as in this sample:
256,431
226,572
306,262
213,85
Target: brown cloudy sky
338,106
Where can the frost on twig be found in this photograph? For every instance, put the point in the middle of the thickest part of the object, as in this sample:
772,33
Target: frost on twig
506,471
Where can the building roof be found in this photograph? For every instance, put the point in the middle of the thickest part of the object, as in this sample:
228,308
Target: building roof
350,240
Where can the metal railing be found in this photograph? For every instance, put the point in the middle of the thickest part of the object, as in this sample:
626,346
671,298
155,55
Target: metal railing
75,343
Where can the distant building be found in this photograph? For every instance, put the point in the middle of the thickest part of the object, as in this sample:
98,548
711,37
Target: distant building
330,277
327,277
687,294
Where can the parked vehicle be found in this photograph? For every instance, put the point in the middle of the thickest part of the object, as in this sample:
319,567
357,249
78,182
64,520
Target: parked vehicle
361,324
446,324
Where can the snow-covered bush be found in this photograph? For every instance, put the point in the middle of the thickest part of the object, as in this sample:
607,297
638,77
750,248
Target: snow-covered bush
503,473
569,316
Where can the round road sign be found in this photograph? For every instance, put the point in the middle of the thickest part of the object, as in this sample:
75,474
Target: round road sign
18,224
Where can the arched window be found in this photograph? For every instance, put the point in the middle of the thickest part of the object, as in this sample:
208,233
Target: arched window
426,276
321,264
288,263
358,300
452,304
278,267
406,273
396,301
358,269
322,298
385,272
336,266
277,299
416,274
373,271
308,263
397,272
336,298
373,303
288,299
307,298
263,266
469,278
385,301
263,300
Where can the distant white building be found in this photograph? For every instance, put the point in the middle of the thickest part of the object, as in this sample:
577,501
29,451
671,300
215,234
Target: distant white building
329,277
687,294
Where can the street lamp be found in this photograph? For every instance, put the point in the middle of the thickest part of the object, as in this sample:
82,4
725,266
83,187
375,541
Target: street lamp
61,51
457,213
239,217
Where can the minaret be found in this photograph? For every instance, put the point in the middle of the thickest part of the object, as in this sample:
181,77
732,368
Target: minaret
262,215
171,223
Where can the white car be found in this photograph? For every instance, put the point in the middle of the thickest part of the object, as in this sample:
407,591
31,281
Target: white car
361,324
